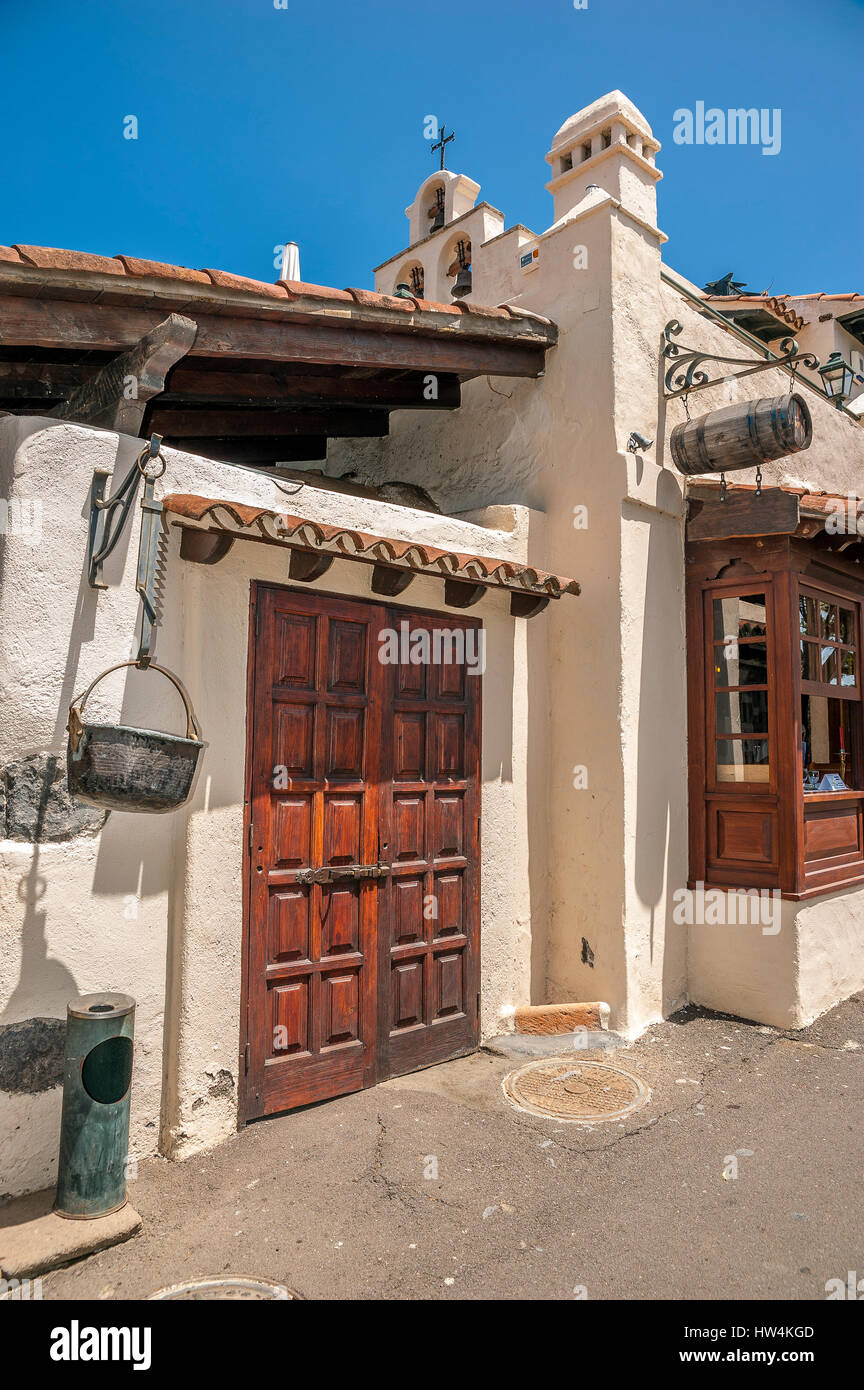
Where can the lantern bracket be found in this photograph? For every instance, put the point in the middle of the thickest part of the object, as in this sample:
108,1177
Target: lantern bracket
685,375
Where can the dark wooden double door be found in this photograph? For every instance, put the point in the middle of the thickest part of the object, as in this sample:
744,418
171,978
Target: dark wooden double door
362,927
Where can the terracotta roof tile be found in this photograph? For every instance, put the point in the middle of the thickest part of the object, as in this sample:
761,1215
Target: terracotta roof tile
298,289
520,313
851,295
432,306
53,258
226,281
482,310
260,523
158,270
371,299
134,267
775,304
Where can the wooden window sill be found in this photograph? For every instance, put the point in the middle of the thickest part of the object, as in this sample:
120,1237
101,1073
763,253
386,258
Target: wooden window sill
813,798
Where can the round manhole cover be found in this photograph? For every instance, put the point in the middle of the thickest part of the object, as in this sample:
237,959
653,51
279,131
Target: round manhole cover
226,1288
561,1088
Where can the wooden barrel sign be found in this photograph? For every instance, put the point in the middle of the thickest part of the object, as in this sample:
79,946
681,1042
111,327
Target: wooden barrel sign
743,435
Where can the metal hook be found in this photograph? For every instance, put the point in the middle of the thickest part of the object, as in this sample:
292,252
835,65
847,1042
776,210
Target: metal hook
151,454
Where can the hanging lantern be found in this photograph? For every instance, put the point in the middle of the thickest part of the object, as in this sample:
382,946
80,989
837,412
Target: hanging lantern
837,377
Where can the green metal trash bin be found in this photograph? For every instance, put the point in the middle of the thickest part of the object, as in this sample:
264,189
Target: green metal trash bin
94,1129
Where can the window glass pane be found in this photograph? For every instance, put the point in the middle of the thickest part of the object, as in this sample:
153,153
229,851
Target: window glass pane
846,625
742,760
744,664
829,665
815,728
742,712
847,668
811,665
828,626
807,615
741,616
829,735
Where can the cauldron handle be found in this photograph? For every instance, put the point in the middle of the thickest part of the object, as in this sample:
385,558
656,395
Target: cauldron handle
75,725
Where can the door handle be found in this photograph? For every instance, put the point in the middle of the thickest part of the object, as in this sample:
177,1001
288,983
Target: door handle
339,873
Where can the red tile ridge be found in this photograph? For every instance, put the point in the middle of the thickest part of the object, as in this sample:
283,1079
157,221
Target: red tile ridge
55,258
160,270
225,280
299,289
136,267
373,300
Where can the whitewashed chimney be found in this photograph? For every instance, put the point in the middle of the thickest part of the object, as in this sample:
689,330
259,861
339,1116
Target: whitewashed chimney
610,144
290,262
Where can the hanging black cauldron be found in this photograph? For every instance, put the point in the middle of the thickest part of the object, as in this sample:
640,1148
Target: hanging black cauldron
127,769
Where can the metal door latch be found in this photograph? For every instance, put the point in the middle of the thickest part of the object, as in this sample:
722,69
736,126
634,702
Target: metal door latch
335,873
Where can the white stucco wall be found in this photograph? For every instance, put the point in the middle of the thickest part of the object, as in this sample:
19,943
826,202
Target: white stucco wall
785,963
152,905
617,660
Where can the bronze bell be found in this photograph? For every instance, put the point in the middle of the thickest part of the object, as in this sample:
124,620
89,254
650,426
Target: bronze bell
462,283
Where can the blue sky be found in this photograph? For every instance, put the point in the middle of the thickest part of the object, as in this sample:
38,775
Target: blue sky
257,124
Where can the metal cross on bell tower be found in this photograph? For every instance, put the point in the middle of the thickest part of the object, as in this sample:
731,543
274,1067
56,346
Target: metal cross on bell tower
442,142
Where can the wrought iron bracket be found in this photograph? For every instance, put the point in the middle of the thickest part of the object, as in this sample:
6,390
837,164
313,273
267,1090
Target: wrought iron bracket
108,520
685,372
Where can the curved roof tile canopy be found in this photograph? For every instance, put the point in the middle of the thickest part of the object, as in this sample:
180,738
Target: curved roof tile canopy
281,528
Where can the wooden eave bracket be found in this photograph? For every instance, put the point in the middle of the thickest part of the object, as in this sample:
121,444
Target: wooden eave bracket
116,396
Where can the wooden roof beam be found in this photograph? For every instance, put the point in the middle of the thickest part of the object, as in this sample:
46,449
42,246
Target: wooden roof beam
53,324
194,385
264,422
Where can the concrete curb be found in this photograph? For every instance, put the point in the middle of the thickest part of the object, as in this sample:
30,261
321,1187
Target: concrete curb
33,1239
553,1044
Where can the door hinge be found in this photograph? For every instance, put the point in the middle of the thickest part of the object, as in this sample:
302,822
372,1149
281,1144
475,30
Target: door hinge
246,1060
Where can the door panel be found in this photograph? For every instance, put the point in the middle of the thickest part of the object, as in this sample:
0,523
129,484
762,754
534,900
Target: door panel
314,802
356,763
429,962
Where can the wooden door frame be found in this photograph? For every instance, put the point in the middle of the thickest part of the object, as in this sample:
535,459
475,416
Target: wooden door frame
256,587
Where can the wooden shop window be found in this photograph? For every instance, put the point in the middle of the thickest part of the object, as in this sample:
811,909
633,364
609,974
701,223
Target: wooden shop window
775,720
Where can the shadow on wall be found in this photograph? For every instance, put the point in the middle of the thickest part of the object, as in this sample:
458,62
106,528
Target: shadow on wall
661,789
44,813
40,975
